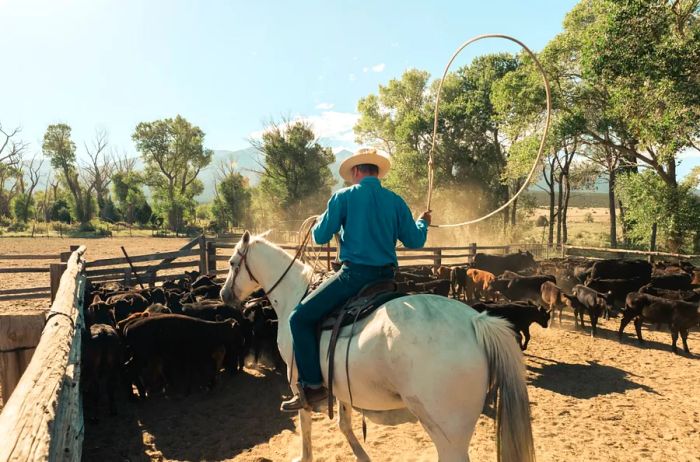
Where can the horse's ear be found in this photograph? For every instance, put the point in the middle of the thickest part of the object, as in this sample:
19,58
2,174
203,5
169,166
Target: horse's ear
265,234
246,238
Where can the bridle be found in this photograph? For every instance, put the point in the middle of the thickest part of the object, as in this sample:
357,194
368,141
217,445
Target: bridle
244,262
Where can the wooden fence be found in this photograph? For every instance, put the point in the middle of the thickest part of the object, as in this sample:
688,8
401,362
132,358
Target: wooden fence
26,293
601,252
42,419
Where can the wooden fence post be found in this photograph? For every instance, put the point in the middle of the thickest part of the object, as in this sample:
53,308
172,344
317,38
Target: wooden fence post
437,259
55,272
211,257
472,250
506,249
202,254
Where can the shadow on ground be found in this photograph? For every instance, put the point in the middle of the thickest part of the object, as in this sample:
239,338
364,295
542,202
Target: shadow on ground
240,413
582,381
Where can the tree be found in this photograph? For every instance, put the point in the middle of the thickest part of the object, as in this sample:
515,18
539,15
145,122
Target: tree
29,179
128,190
231,205
60,149
635,84
99,171
650,200
173,150
295,180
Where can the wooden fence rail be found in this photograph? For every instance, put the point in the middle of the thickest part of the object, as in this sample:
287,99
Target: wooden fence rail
42,419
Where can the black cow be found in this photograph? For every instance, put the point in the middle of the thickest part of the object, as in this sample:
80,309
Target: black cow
182,346
679,315
520,315
685,295
497,264
591,301
617,290
681,281
524,288
622,269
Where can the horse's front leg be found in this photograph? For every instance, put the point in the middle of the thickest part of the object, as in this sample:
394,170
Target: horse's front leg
345,424
305,423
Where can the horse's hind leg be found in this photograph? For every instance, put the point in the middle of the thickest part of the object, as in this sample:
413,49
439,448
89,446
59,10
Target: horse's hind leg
345,424
449,431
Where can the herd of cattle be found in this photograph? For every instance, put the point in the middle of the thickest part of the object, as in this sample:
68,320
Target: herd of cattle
177,337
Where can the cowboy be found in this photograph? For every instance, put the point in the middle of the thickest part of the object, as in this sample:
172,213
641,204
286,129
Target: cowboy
369,220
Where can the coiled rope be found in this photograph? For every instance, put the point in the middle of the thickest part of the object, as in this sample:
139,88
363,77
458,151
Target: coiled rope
431,170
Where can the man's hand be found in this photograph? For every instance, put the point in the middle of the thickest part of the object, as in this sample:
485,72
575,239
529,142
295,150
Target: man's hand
426,216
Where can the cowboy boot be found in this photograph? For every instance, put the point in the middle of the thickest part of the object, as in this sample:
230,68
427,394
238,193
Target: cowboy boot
305,399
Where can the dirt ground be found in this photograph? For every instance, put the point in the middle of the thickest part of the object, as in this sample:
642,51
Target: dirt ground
96,248
591,400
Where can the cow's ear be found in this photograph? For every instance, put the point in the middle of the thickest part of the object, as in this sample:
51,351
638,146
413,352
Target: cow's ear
96,299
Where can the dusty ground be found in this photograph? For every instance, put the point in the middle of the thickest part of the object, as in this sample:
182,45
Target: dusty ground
96,248
592,400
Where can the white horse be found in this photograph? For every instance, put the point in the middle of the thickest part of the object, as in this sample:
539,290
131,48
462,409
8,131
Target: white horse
430,355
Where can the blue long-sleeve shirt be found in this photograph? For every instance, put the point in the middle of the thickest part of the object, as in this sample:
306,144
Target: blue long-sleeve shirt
370,219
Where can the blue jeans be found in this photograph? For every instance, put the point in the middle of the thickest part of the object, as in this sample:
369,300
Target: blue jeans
304,319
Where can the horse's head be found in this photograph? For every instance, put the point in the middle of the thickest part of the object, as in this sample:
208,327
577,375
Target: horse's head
240,281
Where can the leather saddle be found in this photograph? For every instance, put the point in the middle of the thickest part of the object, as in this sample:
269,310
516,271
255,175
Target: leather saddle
370,297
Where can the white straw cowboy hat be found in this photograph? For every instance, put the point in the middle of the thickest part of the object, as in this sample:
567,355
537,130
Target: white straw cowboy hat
365,156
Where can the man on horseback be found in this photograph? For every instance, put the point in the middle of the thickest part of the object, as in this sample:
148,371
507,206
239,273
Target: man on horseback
369,219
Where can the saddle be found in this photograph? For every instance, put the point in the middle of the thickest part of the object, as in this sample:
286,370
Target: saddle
370,297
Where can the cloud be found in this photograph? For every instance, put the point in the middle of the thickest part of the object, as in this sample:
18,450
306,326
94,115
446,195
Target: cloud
689,154
352,77
332,127
378,67
365,69
325,106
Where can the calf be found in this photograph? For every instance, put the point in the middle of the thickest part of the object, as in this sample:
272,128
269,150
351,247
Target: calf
101,356
685,295
552,297
591,301
520,315
478,284
616,290
679,315
681,281
183,345
461,284
526,288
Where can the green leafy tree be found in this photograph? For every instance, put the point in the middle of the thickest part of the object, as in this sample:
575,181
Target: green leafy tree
23,207
60,149
295,180
651,201
128,189
174,153
232,203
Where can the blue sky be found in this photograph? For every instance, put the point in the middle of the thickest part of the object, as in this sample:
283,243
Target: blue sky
230,66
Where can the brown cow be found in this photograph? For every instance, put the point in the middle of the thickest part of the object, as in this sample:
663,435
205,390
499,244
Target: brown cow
552,297
696,278
480,285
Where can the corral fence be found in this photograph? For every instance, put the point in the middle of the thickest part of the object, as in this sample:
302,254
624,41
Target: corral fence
27,293
42,419
626,254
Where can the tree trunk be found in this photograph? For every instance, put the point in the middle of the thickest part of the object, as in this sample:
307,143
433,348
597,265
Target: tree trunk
565,211
513,213
559,208
550,238
612,209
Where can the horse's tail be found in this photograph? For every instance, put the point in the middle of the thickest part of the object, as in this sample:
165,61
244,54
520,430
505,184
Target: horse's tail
507,375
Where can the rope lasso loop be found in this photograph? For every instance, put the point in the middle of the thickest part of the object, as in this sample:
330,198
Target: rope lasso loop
431,170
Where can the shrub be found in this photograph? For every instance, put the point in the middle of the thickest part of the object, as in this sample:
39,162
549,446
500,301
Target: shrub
588,218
